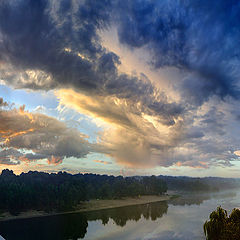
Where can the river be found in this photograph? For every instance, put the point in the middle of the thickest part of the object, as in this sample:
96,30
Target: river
178,219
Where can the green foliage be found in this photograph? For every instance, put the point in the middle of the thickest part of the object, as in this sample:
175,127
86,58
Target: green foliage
63,191
221,226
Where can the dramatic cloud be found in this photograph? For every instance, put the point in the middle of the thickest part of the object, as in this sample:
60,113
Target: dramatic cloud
198,37
45,136
56,44
133,137
202,138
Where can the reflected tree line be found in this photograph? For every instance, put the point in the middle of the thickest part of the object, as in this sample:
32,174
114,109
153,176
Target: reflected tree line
199,198
74,226
121,215
207,184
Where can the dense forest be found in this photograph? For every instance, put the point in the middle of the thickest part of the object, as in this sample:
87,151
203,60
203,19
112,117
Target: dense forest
220,226
63,191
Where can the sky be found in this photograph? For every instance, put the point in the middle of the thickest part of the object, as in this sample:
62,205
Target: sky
122,87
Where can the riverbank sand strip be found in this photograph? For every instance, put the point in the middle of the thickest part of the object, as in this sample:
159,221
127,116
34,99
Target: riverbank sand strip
105,204
91,206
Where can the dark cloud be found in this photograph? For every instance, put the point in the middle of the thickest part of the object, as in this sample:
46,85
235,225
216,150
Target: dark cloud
8,161
32,157
2,103
194,133
215,121
198,37
52,44
9,156
57,45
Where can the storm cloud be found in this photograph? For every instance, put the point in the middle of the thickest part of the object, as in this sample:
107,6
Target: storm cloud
57,45
60,47
198,37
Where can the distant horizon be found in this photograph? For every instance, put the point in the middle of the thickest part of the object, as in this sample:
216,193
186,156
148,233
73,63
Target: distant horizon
83,173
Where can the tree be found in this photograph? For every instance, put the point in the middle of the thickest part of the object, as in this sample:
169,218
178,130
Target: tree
214,227
222,227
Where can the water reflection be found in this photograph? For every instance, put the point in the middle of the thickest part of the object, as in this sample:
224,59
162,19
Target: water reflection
55,227
198,198
74,226
121,215
180,218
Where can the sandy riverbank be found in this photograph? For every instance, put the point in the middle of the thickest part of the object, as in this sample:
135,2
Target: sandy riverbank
104,204
91,206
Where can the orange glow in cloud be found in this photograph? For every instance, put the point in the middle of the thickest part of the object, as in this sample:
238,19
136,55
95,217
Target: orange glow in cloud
100,161
12,135
80,102
203,163
54,160
24,159
105,109
188,164
7,135
237,153
179,164
127,137
26,113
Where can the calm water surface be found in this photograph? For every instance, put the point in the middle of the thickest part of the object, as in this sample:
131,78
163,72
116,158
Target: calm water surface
179,219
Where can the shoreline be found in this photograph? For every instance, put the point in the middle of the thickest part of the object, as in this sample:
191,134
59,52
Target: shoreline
92,205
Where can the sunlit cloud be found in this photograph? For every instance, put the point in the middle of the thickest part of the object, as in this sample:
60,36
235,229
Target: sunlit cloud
156,86
131,137
45,136
237,153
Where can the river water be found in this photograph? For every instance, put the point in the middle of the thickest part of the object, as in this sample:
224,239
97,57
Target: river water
178,219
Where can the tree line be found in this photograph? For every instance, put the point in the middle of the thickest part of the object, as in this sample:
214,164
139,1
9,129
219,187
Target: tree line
193,184
63,191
